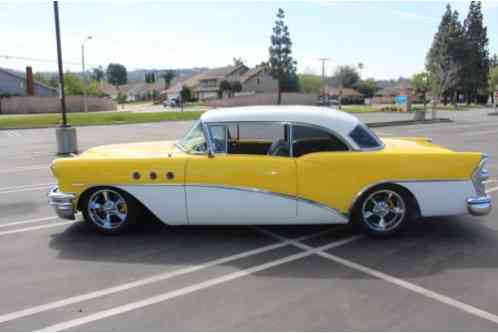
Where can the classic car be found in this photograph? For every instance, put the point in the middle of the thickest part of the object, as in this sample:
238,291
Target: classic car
271,165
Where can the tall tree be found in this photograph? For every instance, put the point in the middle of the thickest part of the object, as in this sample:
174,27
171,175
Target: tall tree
422,85
238,61
446,57
367,87
476,65
168,76
281,65
345,77
97,74
150,79
116,75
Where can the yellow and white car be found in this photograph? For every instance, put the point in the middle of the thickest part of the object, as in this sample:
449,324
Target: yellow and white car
272,165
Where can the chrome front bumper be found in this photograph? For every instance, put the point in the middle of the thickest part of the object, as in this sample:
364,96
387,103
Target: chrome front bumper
479,206
62,203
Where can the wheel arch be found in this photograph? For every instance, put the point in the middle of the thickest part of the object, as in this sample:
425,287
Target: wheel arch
376,186
89,190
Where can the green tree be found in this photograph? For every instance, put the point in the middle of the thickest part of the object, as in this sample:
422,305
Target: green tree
117,75
476,65
446,57
186,94
237,61
281,65
421,84
168,77
345,77
367,87
225,88
73,85
150,79
310,83
97,74
236,86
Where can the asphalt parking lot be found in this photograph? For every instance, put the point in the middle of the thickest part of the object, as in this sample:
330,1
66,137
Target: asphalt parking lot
441,274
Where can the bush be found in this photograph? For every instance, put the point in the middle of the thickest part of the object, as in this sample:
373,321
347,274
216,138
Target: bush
392,108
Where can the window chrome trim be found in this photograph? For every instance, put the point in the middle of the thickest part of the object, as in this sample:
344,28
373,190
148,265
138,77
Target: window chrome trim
381,144
291,125
228,123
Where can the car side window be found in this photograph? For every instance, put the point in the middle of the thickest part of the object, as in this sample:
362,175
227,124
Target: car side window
308,139
219,138
251,138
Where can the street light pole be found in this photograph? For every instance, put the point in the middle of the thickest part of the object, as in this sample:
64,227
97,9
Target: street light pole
65,134
85,81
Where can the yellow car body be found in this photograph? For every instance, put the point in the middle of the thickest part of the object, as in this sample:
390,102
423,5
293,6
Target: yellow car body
210,187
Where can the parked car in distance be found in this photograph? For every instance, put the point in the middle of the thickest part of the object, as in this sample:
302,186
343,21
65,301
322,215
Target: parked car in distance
171,102
272,165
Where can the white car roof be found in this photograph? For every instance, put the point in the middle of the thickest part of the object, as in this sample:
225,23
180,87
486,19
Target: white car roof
337,121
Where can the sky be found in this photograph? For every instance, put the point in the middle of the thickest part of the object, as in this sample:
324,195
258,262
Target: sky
390,38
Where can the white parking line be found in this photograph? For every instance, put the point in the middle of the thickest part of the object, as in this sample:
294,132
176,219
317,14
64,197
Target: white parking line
13,134
394,280
146,281
491,190
24,188
28,221
192,288
34,188
43,226
22,169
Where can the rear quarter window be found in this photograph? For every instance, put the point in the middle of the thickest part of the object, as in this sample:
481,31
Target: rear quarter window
364,138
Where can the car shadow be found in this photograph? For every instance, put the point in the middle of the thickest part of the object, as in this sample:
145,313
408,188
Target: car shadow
429,246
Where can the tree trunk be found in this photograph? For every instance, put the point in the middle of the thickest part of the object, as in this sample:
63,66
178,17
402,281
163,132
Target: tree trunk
435,101
279,94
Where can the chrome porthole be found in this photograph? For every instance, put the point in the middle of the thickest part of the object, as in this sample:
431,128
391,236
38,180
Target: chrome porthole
383,210
107,209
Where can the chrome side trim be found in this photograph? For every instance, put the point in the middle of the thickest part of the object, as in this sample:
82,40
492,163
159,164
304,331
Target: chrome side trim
239,188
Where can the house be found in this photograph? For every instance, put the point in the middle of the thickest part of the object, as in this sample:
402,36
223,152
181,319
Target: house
258,80
347,95
13,83
209,84
206,86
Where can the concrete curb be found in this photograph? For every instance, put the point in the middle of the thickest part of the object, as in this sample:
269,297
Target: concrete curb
409,122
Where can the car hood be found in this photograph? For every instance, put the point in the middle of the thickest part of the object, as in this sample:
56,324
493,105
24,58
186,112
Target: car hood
412,145
141,149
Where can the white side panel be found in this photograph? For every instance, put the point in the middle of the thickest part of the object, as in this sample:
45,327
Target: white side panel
220,205
310,212
441,198
166,202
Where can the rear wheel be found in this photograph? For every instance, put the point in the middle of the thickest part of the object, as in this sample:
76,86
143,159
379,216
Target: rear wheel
384,211
109,210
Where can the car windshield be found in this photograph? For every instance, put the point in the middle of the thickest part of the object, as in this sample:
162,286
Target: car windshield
194,141
365,138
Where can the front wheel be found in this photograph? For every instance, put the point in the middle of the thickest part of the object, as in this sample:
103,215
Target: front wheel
109,211
384,212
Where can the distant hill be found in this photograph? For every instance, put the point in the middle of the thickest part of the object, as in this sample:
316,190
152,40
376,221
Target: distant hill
139,74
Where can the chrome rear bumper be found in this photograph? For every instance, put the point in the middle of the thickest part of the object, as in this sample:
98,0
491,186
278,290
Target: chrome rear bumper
479,206
62,203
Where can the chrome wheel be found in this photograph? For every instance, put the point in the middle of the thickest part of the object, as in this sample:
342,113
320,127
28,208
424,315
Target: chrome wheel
107,209
383,210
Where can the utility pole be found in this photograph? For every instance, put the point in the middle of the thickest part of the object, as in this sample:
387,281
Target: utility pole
323,60
65,134
85,83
